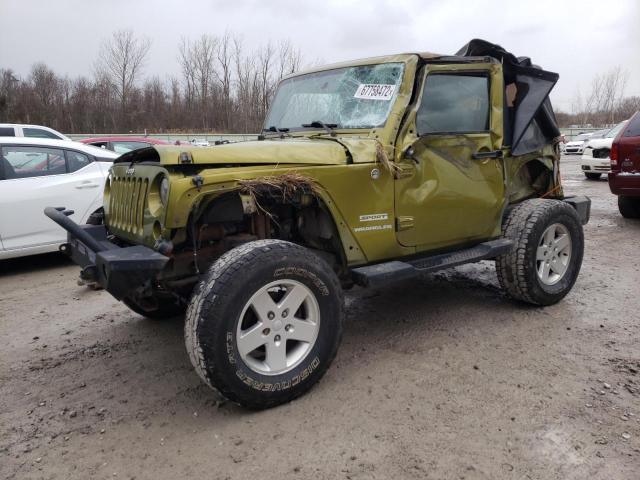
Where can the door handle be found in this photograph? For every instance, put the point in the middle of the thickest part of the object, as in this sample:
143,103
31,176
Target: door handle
483,155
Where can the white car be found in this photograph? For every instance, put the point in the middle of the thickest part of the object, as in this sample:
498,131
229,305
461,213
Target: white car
595,158
200,142
36,173
31,131
577,144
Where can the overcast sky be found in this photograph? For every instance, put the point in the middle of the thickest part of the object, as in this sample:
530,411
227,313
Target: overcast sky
577,39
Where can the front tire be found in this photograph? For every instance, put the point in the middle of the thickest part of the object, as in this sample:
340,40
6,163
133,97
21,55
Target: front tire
629,206
545,261
266,323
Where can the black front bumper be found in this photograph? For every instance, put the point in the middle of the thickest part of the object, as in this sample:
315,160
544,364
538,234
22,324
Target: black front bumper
122,271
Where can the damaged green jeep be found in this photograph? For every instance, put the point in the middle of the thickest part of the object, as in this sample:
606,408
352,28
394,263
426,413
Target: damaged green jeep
367,172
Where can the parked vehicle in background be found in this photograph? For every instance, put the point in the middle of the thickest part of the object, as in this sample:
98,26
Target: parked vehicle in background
599,134
595,158
200,142
122,145
624,178
576,146
38,172
31,131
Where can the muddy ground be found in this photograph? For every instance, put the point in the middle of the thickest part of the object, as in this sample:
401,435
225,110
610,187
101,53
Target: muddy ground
440,378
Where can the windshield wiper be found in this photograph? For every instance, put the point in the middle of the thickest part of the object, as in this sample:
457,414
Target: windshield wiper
275,129
317,124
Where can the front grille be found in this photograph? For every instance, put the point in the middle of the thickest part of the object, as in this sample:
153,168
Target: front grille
601,153
602,168
127,202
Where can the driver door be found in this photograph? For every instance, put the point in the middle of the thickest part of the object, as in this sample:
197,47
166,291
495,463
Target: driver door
450,186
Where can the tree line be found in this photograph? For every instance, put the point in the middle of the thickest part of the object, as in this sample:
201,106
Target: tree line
604,102
223,87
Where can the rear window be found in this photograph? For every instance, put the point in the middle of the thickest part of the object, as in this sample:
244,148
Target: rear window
633,130
7,132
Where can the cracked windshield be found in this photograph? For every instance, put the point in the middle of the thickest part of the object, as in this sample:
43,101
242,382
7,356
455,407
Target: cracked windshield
353,97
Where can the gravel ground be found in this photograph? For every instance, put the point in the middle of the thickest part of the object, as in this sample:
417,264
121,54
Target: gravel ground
441,378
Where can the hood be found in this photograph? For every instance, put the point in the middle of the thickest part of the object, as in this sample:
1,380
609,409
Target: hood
296,151
300,150
576,143
600,143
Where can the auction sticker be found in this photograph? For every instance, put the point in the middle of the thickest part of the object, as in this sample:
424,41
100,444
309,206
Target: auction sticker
372,91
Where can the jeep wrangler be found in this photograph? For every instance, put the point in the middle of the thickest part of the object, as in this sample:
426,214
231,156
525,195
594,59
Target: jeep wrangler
366,172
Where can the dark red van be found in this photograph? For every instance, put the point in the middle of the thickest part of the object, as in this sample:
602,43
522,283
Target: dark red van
624,177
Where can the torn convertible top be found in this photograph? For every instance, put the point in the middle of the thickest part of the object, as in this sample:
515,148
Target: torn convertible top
531,123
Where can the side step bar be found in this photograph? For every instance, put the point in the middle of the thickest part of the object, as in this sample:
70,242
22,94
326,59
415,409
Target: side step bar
382,273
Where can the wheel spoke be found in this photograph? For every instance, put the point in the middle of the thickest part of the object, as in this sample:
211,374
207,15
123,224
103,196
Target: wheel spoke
303,331
549,236
252,339
543,271
558,266
263,304
540,253
562,242
276,358
293,299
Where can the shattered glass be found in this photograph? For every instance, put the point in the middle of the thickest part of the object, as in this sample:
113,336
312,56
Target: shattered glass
352,97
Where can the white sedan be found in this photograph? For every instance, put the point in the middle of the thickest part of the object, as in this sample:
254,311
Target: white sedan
577,144
37,173
595,158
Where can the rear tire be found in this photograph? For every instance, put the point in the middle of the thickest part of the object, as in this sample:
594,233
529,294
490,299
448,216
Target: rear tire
592,176
629,206
265,324
545,261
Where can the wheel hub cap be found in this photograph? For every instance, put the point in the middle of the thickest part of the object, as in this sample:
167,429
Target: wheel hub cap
554,254
278,327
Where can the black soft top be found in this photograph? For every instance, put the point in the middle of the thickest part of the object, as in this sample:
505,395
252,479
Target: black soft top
530,124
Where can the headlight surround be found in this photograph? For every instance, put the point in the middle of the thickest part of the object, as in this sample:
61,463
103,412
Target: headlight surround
164,191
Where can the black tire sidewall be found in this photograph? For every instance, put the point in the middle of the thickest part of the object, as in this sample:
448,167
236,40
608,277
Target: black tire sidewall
549,294
629,207
219,317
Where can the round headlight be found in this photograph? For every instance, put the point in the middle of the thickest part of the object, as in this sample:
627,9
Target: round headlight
164,191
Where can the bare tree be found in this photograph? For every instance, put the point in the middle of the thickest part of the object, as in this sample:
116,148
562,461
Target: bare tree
224,74
613,84
599,107
265,73
45,85
627,107
121,60
187,63
290,59
8,89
